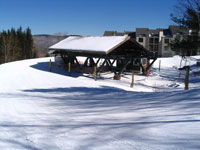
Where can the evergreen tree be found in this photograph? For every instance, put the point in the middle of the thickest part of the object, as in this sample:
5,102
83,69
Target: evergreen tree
14,48
4,46
28,43
187,16
16,45
20,44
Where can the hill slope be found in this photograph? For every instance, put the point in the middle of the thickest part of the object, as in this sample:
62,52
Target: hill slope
42,110
43,42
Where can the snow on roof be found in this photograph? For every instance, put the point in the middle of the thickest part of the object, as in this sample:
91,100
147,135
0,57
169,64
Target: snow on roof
102,44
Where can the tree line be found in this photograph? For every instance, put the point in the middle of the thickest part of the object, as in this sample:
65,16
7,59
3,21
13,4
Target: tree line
16,44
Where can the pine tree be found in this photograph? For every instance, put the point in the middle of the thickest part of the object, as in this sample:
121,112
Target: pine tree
16,45
188,17
28,43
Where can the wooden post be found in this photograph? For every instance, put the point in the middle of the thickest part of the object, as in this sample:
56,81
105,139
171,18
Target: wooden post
187,78
141,70
50,65
117,76
159,64
181,62
95,72
179,75
148,62
132,82
69,67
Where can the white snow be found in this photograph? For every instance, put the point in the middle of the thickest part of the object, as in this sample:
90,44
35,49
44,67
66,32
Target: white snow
90,43
42,110
176,61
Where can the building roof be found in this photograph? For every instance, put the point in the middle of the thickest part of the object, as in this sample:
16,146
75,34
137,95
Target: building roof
91,44
113,33
109,33
178,30
141,31
132,34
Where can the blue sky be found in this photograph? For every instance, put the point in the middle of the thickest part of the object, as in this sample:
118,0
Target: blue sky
85,17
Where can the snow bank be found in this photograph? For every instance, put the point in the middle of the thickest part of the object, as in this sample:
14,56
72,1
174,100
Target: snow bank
176,61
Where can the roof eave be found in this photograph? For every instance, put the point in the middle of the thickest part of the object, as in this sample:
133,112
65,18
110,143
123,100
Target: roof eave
77,51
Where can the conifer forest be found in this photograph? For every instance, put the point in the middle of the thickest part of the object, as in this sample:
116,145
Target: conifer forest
16,44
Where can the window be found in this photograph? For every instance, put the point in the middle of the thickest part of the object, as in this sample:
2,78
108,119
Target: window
156,40
144,61
151,40
166,48
167,41
155,48
140,39
151,47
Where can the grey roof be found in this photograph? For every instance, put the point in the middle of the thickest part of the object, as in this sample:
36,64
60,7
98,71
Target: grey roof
178,30
156,31
147,31
141,31
129,32
119,34
109,33
132,34
113,33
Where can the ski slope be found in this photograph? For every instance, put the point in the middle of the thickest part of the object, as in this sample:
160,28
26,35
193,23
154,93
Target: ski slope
42,110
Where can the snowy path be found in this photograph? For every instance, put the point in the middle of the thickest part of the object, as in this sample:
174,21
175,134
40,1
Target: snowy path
41,110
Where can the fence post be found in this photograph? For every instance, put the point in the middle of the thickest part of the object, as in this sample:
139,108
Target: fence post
187,78
95,72
132,82
159,64
69,67
50,65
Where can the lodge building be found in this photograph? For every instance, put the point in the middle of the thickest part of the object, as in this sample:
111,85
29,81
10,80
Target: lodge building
155,40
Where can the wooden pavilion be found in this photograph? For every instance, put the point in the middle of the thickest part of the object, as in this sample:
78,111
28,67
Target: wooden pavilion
120,50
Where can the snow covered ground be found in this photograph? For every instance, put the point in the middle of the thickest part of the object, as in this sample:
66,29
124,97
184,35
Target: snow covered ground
42,110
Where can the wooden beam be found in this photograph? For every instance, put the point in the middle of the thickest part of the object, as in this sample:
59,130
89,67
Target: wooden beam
97,61
76,61
109,62
91,62
111,66
103,64
143,70
113,61
86,61
111,55
150,64
122,56
125,65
